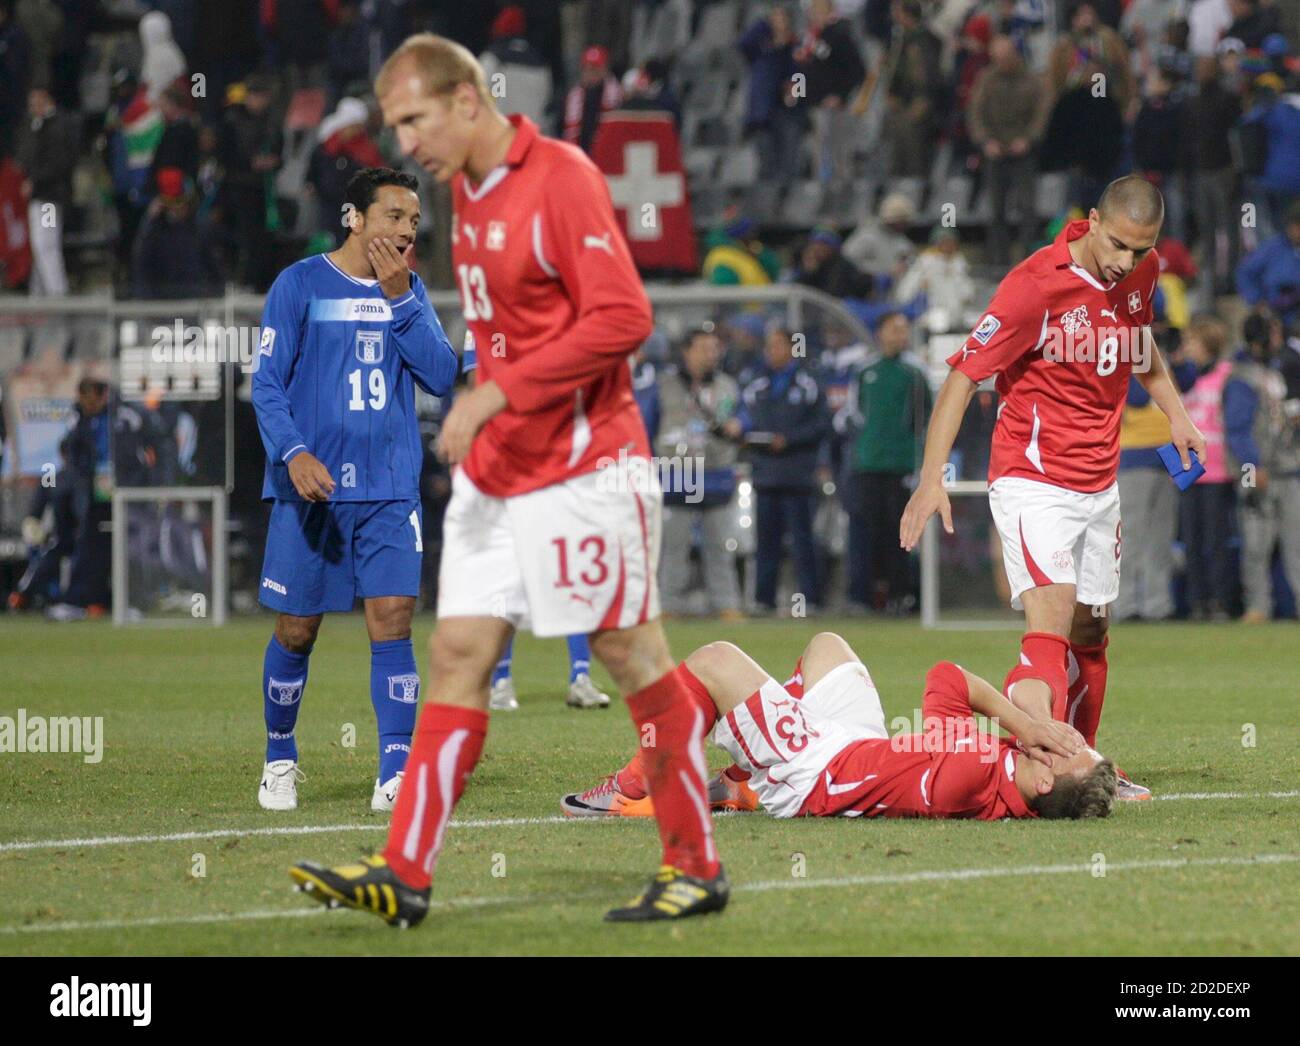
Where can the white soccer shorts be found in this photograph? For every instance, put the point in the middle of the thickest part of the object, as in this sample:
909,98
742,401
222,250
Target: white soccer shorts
573,558
786,743
1051,535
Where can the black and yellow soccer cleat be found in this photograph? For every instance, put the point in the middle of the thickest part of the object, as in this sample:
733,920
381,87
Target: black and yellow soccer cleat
672,894
370,886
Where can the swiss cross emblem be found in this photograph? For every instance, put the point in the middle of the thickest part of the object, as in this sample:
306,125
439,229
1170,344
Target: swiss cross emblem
1135,301
1074,319
496,236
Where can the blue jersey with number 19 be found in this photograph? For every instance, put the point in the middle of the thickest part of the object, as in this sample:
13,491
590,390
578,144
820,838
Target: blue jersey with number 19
337,367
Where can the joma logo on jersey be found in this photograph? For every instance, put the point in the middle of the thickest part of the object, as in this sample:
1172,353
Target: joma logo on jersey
370,346
404,688
1074,319
496,236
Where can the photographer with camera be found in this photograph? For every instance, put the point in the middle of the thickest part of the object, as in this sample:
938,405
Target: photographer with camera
1262,422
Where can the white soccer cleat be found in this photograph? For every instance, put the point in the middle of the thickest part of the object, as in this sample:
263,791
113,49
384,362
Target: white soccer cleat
384,797
279,789
1129,791
503,697
583,694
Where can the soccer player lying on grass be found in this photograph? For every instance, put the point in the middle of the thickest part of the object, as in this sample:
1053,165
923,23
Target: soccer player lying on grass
818,746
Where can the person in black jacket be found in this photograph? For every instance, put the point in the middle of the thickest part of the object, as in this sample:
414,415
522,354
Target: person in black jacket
822,265
87,449
1210,116
172,257
829,59
250,150
783,420
47,153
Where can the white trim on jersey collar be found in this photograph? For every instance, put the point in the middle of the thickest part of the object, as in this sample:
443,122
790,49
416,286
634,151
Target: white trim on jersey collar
489,183
1084,274
348,276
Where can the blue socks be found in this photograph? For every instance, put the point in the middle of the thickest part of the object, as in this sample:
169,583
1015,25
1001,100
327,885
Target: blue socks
579,657
502,671
284,677
394,691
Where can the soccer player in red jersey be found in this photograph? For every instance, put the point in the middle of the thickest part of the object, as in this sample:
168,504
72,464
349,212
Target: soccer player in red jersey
818,746
553,522
1065,330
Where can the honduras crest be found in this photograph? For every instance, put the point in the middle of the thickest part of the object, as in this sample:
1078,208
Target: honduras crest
370,346
404,688
284,692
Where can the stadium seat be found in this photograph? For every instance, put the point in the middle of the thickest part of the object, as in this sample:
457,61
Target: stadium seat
763,201
1051,193
956,189
802,203
719,24
709,95
707,204
739,167
90,341
50,337
716,131
13,340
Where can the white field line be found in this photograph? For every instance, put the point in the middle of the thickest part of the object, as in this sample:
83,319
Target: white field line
763,886
491,822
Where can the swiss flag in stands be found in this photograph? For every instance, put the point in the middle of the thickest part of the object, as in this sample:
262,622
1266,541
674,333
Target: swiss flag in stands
641,157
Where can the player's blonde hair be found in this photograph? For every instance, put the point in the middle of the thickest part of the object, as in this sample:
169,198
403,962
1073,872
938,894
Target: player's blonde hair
441,64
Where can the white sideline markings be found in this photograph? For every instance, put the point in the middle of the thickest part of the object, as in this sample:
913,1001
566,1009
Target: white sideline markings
491,822
305,829
763,886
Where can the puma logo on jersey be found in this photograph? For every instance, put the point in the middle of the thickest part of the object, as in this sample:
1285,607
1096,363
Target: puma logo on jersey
471,234
1112,313
599,242
582,599
965,352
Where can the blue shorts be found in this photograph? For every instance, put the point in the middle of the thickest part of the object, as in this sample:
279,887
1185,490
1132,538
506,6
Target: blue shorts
320,556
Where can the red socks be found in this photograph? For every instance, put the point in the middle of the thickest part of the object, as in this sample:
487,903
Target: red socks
1043,656
1088,691
673,714
444,751
631,779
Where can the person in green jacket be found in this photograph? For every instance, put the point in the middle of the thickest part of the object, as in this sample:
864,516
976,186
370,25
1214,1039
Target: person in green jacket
883,423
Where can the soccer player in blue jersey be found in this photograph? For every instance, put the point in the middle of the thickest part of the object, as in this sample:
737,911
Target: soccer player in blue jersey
346,336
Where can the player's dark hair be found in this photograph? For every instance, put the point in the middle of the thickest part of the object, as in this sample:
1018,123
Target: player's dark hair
364,186
1090,794
1135,198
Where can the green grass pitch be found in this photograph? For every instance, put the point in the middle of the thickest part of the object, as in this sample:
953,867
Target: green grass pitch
183,753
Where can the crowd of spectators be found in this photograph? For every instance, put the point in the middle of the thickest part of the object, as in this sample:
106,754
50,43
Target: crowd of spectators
173,148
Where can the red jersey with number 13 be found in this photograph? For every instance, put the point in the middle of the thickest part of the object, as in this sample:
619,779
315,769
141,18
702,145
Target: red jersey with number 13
555,305
1062,345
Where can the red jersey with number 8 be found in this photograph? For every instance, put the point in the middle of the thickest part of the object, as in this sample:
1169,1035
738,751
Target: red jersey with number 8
1063,346
555,304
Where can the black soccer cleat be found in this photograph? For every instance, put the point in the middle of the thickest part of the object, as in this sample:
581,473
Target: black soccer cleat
672,894
371,886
